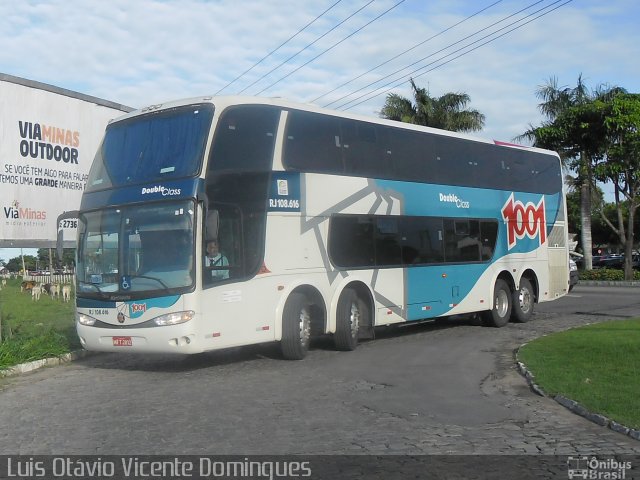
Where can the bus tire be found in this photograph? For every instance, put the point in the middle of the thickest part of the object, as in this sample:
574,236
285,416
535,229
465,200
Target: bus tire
523,302
296,327
500,312
350,314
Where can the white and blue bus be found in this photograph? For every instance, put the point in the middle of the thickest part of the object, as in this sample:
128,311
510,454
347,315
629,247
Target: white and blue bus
329,223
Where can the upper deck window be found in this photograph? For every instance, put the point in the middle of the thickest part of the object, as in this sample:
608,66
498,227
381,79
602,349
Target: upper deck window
245,139
328,144
167,144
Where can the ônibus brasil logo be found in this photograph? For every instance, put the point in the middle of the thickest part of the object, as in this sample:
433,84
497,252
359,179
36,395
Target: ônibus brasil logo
524,220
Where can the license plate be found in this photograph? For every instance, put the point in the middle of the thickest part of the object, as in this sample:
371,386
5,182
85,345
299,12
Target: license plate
122,342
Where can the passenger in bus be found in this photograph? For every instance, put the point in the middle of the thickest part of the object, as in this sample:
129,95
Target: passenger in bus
215,260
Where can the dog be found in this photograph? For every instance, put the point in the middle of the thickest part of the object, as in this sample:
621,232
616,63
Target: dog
4,282
27,285
36,291
66,293
54,290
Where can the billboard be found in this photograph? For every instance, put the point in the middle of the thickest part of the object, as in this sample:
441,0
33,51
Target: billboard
48,138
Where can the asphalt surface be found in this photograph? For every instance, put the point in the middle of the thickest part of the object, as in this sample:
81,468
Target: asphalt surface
445,388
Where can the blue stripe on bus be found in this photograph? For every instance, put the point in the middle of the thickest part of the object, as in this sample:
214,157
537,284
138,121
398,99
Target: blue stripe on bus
135,308
434,290
462,202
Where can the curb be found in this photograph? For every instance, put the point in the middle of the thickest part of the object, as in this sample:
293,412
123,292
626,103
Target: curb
574,406
45,362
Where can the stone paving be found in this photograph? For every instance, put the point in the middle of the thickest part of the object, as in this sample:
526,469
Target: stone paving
432,389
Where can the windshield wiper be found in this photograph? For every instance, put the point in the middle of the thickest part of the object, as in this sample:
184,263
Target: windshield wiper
98,290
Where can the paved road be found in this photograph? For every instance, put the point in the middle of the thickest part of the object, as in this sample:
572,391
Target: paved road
429,389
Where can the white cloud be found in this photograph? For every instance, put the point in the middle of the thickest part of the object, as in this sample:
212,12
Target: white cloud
148,51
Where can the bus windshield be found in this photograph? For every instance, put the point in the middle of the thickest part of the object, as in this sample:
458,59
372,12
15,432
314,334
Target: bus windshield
152,147
135,251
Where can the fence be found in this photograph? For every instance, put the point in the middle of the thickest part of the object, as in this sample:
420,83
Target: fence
55,278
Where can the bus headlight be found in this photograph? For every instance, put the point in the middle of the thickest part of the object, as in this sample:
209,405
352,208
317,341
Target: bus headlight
174,318
86,320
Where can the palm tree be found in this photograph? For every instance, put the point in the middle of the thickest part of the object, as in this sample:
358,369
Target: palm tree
446,112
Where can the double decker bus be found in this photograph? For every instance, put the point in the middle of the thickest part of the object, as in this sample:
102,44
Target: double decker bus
330,224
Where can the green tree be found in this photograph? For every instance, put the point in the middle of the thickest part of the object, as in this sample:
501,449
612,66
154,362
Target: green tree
601,233
620,116
15,264
573,127
68,258
447,112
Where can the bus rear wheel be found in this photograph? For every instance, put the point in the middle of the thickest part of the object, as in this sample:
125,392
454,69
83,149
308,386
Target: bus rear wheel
296,327
350,314
523,302
500,312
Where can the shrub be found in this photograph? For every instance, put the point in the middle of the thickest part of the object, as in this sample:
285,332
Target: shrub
606,274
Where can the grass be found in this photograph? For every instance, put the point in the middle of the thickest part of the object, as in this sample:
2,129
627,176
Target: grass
598,366
34,330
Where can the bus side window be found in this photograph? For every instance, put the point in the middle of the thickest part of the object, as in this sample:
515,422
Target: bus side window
488,236
245,138
470,244
519,174
364,150
462,242
313,143
421,240
388,250
351,241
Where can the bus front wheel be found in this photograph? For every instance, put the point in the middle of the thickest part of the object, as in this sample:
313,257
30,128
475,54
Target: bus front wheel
523,301
350,314
500,312
296,327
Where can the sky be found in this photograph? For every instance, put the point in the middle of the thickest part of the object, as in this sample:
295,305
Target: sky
327,52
